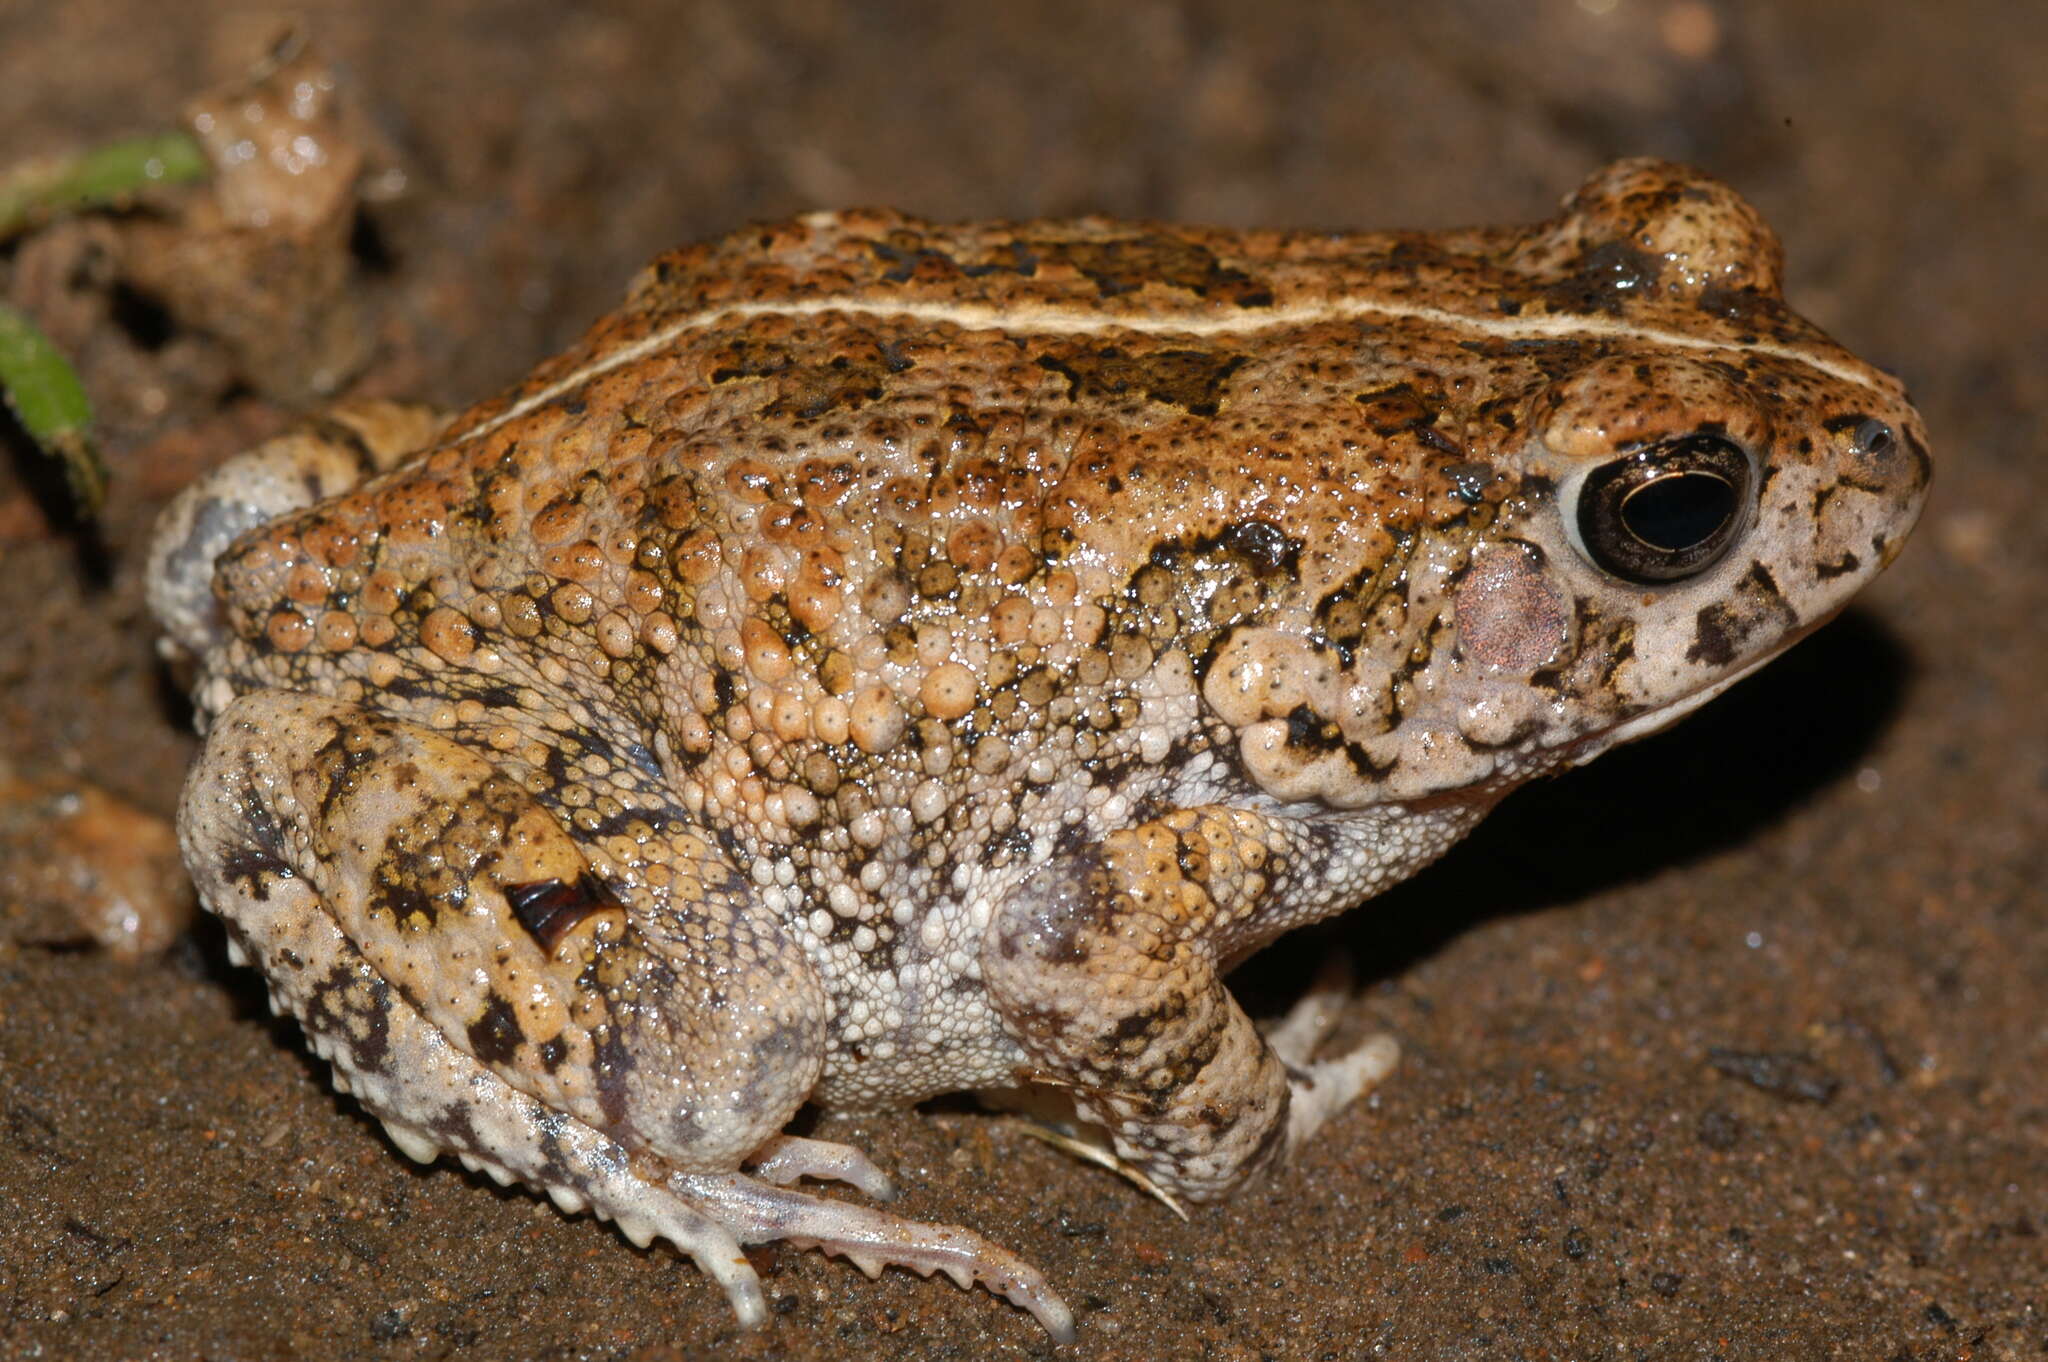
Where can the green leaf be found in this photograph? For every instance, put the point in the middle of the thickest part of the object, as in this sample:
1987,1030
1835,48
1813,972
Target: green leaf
51,405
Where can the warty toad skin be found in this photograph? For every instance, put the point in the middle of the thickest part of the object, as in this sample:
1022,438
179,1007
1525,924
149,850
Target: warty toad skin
885,658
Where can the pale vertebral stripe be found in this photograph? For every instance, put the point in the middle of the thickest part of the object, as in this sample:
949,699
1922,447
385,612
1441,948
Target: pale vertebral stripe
1067,322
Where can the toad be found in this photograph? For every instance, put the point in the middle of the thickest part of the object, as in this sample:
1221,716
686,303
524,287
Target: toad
884,659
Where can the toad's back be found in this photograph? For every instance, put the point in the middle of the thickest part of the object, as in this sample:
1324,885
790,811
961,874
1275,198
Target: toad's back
1027,371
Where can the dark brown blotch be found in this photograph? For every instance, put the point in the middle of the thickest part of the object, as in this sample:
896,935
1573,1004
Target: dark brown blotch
1840,567
1606,278
1117,265
1721,630
253,870
1262,544
1191,380
1388,411
495,1037
351,1007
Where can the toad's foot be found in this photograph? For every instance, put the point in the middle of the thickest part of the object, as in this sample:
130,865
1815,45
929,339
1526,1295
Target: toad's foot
873,1240
1319,1089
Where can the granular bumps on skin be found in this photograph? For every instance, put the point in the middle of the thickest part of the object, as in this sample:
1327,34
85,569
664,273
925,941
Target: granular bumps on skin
886,658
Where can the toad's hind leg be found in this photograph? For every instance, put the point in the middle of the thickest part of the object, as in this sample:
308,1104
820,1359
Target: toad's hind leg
485,990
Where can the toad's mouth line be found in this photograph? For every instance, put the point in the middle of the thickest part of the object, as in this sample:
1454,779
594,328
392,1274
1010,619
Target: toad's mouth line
1068,321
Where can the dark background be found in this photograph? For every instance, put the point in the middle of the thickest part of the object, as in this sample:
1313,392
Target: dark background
1840,864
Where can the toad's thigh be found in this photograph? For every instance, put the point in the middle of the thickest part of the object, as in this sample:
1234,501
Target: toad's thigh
680,1020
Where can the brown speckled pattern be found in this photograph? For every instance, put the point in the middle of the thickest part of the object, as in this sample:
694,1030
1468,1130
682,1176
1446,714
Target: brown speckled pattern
887,659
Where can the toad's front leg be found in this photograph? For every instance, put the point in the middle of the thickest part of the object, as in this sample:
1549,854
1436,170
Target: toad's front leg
1105,963
625,1041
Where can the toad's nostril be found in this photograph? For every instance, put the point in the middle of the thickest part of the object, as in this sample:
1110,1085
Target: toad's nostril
1873,438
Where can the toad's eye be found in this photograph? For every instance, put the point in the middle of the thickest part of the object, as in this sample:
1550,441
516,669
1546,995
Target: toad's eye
1666,511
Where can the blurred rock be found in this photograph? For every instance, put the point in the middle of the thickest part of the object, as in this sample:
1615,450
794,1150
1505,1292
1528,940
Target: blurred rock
80,865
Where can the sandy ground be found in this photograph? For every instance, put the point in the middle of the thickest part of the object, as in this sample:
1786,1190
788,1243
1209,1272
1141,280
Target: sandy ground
1839,866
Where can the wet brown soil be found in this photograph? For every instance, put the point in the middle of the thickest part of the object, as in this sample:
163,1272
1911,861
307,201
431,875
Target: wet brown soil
1731,1046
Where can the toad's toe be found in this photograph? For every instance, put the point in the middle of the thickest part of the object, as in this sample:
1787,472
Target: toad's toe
786,1158
756,1212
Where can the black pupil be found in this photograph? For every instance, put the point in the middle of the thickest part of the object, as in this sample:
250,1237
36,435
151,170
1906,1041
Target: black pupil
1678,511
